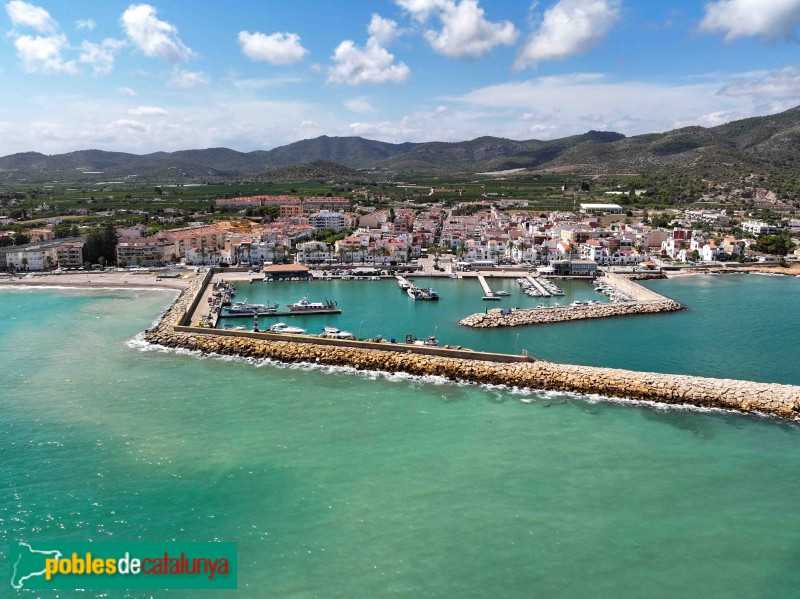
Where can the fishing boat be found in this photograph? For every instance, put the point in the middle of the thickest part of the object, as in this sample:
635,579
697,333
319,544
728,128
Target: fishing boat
282,327
430,341
422,293
306,306
248,309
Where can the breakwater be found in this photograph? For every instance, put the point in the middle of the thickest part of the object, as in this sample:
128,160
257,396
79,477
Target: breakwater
743,396
643,301
551,314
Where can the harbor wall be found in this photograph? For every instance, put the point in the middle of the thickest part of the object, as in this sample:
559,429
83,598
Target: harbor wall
778,400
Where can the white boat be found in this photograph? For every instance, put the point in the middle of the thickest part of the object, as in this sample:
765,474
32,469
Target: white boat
404,284
502,293
282,327
248,308
306,306
430,341
334,333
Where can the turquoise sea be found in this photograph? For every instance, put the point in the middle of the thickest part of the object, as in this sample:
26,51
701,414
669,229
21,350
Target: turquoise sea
344,484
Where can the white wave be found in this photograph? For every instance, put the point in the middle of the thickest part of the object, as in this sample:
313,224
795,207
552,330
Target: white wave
527,395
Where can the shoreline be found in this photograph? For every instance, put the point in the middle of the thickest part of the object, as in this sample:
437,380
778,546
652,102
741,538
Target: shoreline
99,280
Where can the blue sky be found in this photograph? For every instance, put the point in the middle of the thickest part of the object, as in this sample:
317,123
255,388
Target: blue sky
256,74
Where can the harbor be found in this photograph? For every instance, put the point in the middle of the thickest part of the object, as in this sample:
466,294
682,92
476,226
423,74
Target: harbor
175,330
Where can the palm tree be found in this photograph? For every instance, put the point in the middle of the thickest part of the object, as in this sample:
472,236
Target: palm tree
49,262
24,263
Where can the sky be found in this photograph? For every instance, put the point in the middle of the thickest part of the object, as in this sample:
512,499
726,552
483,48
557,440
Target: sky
257,74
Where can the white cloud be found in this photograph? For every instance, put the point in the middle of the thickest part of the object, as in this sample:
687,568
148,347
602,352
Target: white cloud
770,19
127,91
276,48
784,83
371,64
153,37
87,24
360,105
23,14
569,27
100,56
421,9
42,54
183,79
148,111
465,32
567,105
129,124
383,30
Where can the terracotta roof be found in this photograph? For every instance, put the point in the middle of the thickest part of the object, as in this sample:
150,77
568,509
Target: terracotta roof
286,268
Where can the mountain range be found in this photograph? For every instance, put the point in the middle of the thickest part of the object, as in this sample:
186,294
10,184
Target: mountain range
759,145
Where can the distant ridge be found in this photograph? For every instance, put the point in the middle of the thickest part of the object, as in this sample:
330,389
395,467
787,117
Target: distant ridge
759,145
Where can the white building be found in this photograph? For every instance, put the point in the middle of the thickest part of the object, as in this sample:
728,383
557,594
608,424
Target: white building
601,208
325,220
758,228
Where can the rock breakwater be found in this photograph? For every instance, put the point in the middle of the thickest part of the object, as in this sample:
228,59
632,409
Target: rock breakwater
514,317
774,399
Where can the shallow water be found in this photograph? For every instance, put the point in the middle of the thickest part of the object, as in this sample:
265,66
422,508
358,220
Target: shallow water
359,485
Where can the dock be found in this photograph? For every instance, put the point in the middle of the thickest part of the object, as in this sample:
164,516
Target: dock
281,314
488,294
403,282
538,286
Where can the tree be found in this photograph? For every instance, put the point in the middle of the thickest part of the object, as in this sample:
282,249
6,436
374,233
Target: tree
24,263
778,245
49,260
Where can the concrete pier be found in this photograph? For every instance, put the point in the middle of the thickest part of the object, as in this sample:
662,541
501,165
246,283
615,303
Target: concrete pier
488,294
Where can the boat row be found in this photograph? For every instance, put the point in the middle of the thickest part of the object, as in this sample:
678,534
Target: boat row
549,286
246,308
614,294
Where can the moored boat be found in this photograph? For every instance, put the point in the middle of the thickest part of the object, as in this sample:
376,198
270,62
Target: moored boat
422,293
249,309
282,327
306,306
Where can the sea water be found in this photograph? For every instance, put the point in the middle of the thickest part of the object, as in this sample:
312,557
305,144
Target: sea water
337,483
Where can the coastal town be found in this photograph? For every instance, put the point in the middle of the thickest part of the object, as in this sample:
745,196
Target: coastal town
329,232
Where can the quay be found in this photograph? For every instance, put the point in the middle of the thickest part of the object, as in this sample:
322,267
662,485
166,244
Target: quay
174,330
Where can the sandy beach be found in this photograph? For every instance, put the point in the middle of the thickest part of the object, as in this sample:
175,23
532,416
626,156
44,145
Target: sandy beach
99,279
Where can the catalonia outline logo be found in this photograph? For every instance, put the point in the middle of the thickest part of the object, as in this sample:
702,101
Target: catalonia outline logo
118,565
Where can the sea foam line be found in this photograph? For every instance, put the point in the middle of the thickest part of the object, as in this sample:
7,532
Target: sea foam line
523,394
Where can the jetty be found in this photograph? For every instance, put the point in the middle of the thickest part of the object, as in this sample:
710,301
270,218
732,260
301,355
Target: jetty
403,282
488,294
281,314
538,286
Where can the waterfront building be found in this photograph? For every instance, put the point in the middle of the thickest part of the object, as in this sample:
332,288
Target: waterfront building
573,268
283,272
63,253
144,251
204,237
314,252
